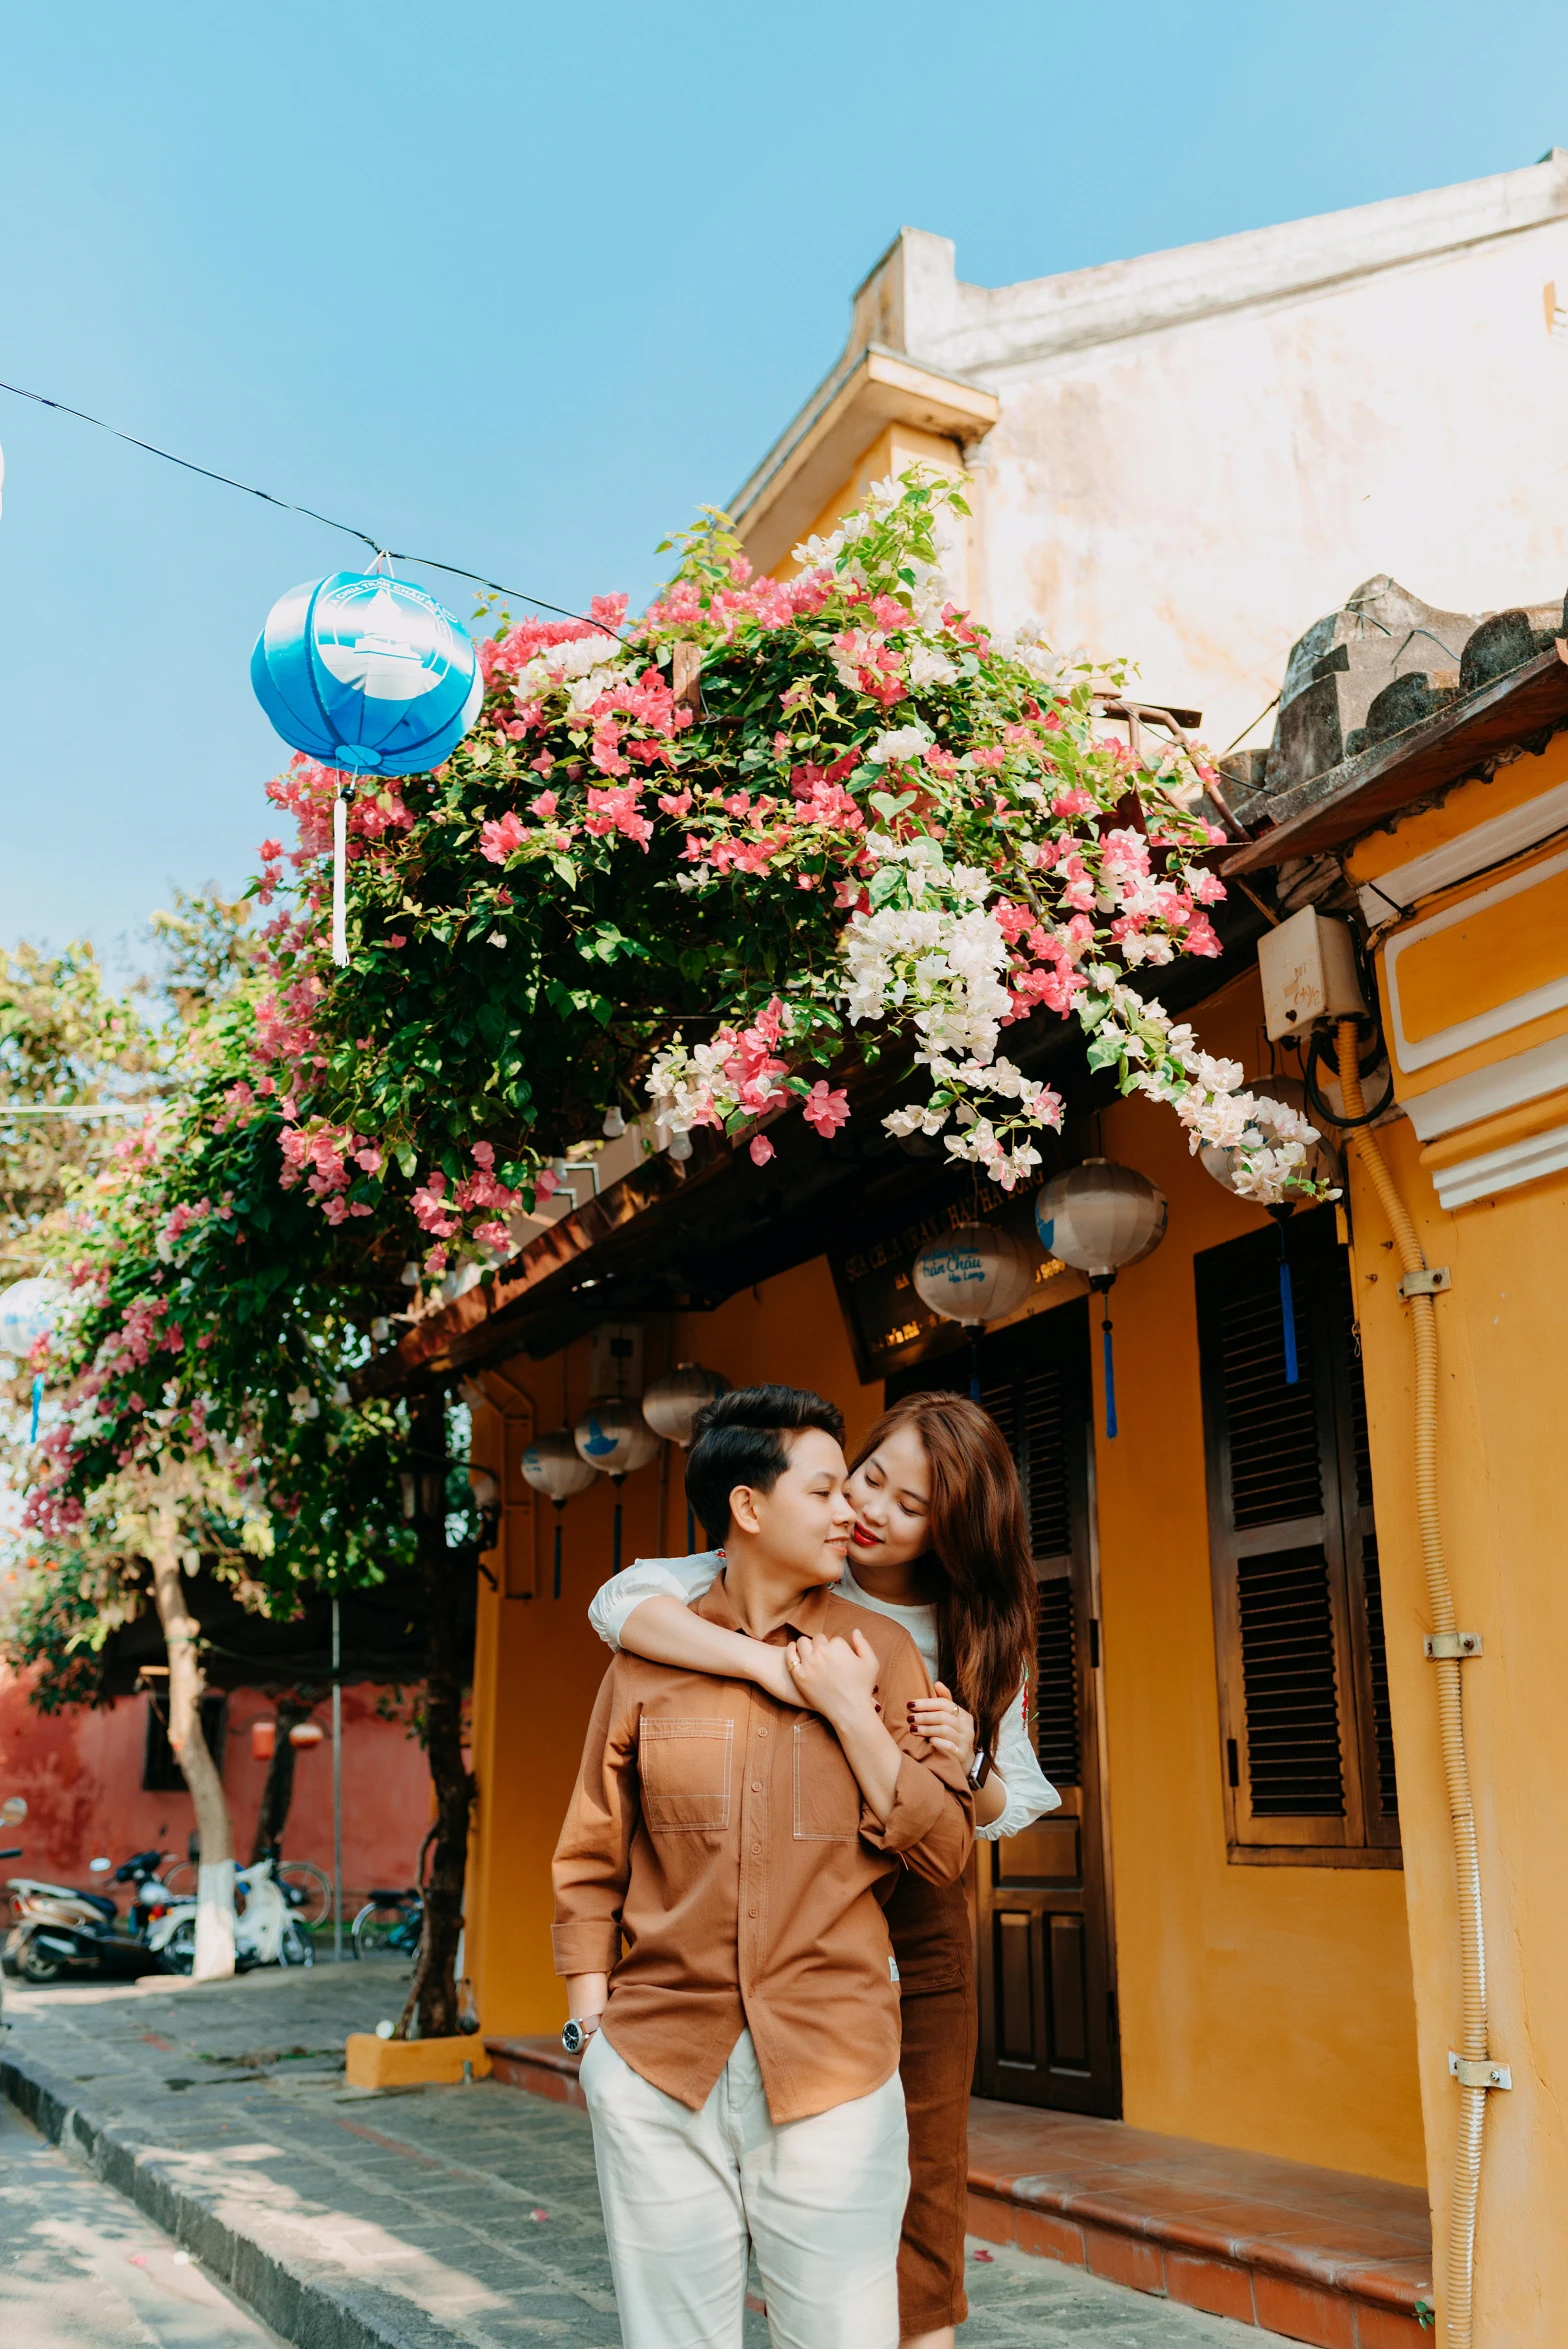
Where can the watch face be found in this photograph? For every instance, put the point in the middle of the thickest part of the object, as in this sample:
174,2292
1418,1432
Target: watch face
572,2038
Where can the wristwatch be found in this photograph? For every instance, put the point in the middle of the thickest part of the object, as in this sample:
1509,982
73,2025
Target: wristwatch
979,1771
578,2033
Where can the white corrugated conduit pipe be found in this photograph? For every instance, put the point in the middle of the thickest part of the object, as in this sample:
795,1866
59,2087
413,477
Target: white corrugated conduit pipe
1472,2063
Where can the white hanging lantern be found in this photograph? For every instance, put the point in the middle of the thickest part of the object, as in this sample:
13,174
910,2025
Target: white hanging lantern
614,1438
552,1465
1101,1217
1321,1163
672,1403
973,1274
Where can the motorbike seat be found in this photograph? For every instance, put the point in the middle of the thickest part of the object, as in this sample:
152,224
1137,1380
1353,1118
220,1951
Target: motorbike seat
99,1901
388,1898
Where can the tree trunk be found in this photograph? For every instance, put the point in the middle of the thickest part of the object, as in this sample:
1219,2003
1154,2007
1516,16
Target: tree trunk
187,1682
431,2011
278,1793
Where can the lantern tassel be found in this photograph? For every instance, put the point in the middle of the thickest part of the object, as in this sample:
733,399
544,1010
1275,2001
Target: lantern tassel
555,1586
974,1362
1287,1298
339,879
1287,1307
38,1397
615,1545
1107,1355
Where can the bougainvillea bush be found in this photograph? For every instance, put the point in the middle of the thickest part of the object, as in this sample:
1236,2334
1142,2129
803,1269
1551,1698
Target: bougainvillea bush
703,863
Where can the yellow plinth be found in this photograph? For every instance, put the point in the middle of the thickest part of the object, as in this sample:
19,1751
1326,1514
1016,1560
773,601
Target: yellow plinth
405,2063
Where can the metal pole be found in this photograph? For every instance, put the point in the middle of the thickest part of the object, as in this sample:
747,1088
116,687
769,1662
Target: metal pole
337,1788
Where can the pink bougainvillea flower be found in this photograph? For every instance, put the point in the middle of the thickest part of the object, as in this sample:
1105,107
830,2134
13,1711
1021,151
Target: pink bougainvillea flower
761,1149
825,1108
497,841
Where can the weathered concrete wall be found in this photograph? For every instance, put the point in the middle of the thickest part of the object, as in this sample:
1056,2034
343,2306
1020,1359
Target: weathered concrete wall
1201,450
81,1774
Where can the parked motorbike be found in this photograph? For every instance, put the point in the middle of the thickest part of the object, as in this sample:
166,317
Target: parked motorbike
62,1931
12,1812
266,1933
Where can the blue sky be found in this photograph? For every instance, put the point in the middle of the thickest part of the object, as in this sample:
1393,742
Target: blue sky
522,287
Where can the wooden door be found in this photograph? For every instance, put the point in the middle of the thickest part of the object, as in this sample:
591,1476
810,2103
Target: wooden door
1046,1971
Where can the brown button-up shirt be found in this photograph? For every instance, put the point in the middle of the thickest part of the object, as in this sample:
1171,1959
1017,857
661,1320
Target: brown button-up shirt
719,1862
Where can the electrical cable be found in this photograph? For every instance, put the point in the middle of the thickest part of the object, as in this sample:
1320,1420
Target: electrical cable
287,506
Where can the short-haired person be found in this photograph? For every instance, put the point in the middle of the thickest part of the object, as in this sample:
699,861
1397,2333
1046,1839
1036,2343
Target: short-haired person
941,1545
719,1882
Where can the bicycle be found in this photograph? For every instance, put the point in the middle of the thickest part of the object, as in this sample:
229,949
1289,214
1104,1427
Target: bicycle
306,1888
389,1923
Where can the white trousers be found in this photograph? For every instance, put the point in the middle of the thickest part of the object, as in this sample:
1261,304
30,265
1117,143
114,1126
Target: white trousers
820,2200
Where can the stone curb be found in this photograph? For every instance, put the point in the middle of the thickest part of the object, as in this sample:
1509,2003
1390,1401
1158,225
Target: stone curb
326,2311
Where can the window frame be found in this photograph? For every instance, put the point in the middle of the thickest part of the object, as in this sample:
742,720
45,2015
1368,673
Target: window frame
1365,1835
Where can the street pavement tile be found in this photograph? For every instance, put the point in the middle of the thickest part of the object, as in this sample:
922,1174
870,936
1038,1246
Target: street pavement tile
477,2204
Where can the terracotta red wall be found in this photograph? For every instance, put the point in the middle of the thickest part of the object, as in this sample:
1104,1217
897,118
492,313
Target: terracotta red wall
81,1773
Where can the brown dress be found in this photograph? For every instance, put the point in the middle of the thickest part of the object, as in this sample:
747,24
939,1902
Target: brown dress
933,1946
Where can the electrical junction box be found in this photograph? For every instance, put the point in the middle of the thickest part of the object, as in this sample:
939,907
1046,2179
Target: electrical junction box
1308,969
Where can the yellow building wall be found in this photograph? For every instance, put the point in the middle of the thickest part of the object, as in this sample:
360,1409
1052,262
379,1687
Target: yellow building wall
1501,1404
890,455
1265,2007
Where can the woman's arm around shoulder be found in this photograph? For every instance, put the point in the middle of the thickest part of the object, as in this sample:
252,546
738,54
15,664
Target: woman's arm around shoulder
647,1612
681,1579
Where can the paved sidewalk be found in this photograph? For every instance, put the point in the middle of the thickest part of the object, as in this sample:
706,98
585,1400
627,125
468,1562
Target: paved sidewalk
80,2268
415,2219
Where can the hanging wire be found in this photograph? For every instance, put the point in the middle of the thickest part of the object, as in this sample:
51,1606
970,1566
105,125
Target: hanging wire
287,506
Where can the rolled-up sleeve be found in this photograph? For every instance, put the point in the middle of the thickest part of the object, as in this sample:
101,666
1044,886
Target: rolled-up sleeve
931,1826
593,1855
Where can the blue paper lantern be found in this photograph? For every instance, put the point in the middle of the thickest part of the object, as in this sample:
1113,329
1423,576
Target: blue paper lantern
30,1310
368,674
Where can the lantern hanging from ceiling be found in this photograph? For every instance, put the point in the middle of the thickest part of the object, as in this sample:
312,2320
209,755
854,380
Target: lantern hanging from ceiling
614,1438
973,1274
1101,1217
370,675
552,1466
670,1406
672,1403
1321,1165
30,1310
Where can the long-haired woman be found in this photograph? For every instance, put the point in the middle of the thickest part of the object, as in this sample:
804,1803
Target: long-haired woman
941,1545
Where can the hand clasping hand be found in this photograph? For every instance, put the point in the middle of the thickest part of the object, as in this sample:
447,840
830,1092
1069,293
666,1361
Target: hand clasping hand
837,1677
944,1724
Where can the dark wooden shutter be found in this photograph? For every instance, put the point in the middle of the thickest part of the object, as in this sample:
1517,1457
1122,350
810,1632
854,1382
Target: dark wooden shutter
1307,1741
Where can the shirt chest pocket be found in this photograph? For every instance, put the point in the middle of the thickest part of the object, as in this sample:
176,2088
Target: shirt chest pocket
827,1796
686,1767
